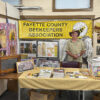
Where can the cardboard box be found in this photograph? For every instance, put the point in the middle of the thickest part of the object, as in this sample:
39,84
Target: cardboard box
96,96
12,85
42,95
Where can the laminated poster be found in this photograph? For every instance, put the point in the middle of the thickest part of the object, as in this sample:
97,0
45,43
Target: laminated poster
28,47
8,39
12,39
3,39
47,49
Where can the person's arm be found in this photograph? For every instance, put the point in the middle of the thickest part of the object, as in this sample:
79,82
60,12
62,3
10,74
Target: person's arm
82,52
72,55
83,49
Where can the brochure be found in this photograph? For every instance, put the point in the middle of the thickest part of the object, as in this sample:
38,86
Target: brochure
45,73
58,73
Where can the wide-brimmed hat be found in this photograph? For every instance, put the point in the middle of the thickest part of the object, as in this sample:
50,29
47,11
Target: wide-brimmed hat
70,33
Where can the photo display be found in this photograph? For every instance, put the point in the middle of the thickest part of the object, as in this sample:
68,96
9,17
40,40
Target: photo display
47,49
28,47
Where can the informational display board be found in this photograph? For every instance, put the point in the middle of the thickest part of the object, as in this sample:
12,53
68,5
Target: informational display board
28,47
53,29
8,39
96,39
48,49
8,64
25,65
3,39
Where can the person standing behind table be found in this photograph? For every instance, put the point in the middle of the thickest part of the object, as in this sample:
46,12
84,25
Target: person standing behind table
75,47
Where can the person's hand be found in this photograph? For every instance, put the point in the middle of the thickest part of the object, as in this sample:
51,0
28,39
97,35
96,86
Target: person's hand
75,56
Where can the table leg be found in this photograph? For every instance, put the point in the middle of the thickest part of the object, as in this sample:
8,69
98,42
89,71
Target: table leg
19,92
83,97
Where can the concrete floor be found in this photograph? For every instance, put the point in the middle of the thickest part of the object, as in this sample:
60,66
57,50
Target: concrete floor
65,95
9,95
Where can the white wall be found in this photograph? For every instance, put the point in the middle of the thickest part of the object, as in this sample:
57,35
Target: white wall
2,20
12,11
2,8
46,6
3,86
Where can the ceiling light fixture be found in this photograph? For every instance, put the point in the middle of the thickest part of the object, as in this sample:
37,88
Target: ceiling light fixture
28,8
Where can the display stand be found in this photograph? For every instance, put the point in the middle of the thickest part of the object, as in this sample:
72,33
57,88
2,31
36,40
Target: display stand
96,44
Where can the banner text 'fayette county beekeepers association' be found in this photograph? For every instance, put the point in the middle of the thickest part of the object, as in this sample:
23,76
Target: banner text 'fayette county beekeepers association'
52,29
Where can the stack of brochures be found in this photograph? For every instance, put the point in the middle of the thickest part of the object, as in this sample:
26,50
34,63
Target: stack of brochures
58,73
45,73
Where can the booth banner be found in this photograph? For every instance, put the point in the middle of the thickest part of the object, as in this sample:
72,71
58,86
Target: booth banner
53,29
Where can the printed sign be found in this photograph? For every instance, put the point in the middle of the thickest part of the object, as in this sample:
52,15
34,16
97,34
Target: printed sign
53,29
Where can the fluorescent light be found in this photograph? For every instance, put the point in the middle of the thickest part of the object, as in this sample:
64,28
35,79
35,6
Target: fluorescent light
28,8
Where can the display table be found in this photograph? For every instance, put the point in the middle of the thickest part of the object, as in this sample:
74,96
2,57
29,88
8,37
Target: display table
66,83
13,76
